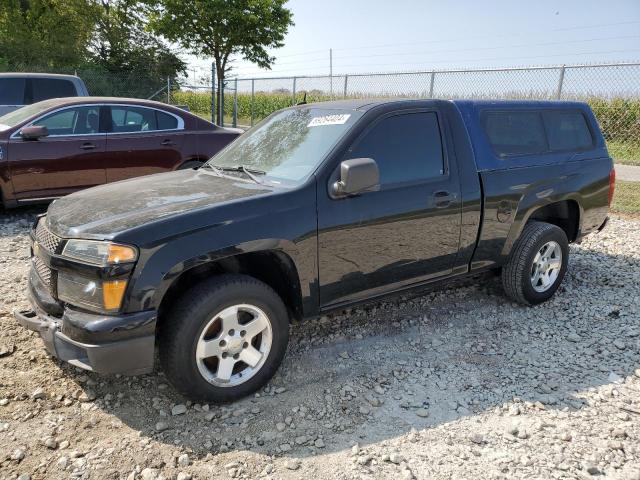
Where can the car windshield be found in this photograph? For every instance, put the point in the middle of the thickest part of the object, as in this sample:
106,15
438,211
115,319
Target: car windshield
18,116
289,145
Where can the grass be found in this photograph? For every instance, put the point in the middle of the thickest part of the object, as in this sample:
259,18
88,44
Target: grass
626,153
626,198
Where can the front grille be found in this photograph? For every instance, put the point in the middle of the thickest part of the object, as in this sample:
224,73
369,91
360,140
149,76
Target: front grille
47,239
48,276
50,242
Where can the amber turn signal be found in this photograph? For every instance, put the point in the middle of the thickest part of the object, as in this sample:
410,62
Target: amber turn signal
112,293
120,254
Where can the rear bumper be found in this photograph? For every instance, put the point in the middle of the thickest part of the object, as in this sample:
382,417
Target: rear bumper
101,343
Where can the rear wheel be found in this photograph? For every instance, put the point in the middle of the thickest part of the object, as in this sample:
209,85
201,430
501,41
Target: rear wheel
224,339
537,264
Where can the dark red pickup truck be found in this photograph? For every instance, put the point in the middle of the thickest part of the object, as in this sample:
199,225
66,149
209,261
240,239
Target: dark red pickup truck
58,146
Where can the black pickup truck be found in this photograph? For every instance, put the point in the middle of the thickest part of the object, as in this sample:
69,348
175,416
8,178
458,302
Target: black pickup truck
317,208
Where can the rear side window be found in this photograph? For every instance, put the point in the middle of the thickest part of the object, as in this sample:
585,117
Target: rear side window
516,133
166,121
406,147
46,88
567,131
536,132
132,119
12,91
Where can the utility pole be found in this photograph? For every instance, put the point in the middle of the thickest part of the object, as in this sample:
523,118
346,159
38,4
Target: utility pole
331,71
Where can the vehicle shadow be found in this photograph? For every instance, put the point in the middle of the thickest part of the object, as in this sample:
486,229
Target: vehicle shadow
377,372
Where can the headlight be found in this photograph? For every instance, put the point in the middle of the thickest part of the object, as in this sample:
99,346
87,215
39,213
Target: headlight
91,293
99,253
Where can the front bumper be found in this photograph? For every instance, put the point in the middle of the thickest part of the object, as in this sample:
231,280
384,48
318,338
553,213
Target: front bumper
101,343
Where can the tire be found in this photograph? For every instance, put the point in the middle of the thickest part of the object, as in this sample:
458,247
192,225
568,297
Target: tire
194,329
190,164
523,278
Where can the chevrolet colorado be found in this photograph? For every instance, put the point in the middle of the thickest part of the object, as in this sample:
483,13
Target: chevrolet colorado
319,207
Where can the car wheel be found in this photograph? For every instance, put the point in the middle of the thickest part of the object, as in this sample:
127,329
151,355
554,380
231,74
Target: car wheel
224,339
537,264
191,164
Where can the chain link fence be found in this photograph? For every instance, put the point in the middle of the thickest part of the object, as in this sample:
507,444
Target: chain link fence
612,90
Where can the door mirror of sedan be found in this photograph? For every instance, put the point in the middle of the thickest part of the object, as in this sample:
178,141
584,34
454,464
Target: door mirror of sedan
357,175
34,132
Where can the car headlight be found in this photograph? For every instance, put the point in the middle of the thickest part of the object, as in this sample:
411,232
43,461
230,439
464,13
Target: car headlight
92,293
99,253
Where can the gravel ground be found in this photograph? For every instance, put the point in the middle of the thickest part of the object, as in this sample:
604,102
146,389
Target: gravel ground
456,383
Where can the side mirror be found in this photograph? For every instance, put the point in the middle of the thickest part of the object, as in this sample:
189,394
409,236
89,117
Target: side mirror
34,132
357,175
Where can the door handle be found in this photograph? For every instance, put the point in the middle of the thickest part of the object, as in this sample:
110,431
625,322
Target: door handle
443,199
167,142
87,146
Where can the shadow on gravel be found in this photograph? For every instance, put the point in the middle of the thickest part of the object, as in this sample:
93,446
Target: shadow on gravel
380,371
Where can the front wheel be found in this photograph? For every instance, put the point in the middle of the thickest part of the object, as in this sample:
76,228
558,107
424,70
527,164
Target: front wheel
537,264
224,339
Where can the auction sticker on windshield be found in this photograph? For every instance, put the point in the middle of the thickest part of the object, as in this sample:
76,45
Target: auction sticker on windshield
329,120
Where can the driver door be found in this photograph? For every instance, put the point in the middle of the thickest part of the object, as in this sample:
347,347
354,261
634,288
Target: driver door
70,158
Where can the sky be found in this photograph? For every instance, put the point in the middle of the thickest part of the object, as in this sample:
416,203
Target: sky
414,35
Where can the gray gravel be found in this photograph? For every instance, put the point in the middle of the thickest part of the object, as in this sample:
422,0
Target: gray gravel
456,383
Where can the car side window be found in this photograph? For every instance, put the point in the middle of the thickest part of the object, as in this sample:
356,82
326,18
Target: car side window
132,119
567,130
72,121
12,91
516,132
406,147
46,88
166,121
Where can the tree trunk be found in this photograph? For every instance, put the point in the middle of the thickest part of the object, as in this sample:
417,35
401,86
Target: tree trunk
219,94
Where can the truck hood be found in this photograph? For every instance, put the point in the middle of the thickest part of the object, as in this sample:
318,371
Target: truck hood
102,212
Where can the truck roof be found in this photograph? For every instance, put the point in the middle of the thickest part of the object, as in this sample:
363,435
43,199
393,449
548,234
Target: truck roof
369,103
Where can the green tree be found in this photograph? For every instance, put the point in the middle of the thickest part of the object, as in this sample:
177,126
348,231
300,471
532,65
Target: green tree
224,28
123,46
50,34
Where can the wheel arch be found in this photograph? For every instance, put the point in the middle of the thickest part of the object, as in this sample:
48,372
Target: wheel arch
274,267
565,213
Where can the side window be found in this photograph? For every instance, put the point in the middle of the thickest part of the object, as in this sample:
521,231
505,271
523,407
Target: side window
12,91
567,130
405,147
132,119
166,121
72,121
515,133
46,88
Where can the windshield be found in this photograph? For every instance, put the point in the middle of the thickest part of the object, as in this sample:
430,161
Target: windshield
18,116
289,145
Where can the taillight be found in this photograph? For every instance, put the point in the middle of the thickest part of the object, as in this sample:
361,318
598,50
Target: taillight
612,184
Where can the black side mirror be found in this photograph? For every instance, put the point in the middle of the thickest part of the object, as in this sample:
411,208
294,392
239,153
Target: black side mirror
357,175
34,132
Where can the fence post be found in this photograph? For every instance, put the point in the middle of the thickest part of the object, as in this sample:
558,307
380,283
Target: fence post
346,80
294,90
235,103
223,85
213,93
169,90
432,81
253,92
560,82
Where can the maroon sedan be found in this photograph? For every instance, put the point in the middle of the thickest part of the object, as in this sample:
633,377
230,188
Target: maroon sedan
52,148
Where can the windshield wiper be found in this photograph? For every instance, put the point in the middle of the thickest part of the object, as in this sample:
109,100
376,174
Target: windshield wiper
249,172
